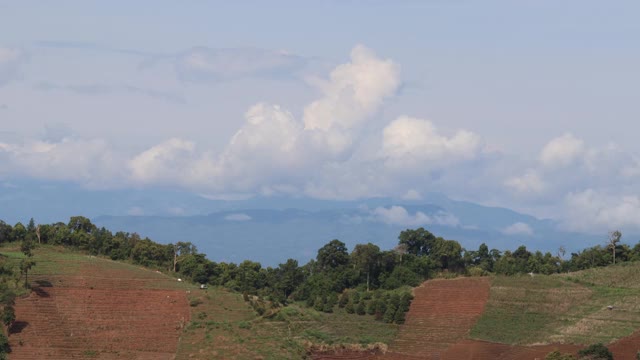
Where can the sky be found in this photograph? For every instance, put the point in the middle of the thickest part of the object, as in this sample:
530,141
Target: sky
530,105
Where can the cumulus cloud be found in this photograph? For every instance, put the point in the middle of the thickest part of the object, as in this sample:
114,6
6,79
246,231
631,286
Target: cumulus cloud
398,215
237,217
354,91
599,212
10,61
207,64
518,228
561,151
274,150
174,161
408,141
528,183
89,162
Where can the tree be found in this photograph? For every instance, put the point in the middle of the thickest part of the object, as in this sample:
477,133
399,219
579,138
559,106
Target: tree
614,239
333,255
417,242
6,231
365,259
288,277
26,263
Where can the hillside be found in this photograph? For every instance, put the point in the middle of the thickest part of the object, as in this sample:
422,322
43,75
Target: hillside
87,307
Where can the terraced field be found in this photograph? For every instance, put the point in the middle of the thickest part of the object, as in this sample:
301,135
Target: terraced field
91,308
441,314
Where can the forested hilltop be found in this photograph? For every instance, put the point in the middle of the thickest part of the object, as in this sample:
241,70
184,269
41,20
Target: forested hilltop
336,276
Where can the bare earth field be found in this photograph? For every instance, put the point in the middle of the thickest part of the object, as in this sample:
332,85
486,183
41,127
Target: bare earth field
97,309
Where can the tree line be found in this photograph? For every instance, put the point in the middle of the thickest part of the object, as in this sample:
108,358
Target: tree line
335,274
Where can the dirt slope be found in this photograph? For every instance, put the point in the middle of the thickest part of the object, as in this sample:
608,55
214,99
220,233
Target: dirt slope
101,310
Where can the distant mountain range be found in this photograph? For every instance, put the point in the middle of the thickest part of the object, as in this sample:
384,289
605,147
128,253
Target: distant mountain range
270,230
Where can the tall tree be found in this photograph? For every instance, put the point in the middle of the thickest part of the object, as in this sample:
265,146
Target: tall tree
365,258
332,255
417,242
613,240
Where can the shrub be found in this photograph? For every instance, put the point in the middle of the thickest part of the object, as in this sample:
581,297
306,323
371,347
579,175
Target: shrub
389,315
557,355
595,352
361,310
344,299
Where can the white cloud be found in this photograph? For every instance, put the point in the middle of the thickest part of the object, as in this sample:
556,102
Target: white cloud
89,162
398,215
10,61
529,183
206,64
561,151
597,211
174,161
237,217
354,91
273,150
408,142
412,195
518,228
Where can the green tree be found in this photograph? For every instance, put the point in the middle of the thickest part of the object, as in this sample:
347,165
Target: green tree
418,242
19,232
365,258
332,256
6,231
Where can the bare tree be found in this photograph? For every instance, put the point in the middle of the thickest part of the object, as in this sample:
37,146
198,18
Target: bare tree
614,239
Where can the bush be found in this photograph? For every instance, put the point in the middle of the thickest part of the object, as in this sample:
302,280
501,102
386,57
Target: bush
344,299
557,355
595,352
390,314
4,346
361,309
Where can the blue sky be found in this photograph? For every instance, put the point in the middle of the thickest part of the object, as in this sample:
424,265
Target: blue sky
530,105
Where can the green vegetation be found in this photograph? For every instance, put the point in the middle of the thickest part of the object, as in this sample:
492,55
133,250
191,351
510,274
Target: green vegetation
238,331
335,297
557,355
561,308
595,352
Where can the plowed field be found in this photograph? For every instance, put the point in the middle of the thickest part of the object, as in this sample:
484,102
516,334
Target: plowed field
99,310
441,314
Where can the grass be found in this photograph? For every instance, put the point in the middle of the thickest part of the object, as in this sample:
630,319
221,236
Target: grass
563,308
231,329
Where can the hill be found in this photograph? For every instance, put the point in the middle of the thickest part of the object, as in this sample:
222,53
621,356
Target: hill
87,307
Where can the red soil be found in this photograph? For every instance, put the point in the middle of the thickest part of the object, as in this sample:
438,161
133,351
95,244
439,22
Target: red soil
103,314
626,348
441,315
